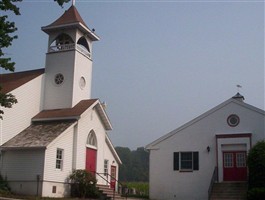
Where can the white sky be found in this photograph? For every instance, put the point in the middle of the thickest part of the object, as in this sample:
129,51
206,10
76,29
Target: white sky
159,64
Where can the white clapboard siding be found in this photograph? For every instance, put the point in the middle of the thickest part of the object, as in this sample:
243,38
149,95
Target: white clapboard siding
55,177
91,121
21,168
18,117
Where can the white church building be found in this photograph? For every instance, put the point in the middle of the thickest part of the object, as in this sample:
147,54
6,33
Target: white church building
56,126
211,147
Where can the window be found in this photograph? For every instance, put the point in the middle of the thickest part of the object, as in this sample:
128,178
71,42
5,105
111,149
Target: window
58,79
59,159
228,160
106,167
186,161
233,120
91,139
241,160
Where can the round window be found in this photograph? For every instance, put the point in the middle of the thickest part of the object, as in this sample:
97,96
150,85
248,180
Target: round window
82,82
233,120
59,78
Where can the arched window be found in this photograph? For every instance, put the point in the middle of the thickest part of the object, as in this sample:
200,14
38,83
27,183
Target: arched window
91,139
62,42
63,39
83,42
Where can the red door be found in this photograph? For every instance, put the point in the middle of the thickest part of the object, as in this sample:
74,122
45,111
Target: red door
235,168
113,177
91,157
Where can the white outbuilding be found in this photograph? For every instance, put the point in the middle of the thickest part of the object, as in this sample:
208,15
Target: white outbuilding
56,126
184,161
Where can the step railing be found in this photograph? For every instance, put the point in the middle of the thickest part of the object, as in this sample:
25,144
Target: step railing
110,179
213,180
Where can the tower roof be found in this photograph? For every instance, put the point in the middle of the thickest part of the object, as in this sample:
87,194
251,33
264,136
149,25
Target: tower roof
70,19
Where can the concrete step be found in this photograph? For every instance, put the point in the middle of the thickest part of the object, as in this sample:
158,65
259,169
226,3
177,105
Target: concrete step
108,192
229,191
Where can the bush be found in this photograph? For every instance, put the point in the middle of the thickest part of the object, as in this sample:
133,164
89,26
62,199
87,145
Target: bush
256,166
256,194
83,184
4,188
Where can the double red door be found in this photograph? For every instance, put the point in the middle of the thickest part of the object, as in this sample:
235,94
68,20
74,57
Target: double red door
234,166
91,157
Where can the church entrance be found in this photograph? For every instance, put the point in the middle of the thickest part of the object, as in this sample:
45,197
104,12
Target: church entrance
234,166
91,158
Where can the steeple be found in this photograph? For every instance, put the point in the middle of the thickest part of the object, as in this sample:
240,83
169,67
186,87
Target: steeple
68,66
70,18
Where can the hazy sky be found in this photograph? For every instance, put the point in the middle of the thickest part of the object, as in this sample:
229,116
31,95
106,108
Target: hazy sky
159,64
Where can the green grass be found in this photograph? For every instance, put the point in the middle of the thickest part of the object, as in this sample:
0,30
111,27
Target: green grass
142,189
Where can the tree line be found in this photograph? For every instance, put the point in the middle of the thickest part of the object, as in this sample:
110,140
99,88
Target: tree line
135,164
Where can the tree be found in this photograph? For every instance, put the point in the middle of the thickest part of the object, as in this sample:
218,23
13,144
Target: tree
61,2
7,30
135,164
256,165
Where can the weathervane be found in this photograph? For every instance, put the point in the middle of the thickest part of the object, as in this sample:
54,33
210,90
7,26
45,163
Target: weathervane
73,2
238,87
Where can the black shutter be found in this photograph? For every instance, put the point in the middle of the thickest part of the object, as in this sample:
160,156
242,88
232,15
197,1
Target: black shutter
195,160
176,161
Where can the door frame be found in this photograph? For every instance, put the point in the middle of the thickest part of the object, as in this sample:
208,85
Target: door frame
230,142
113,177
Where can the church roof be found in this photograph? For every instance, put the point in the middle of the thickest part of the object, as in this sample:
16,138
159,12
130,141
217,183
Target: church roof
70,18
37,135
65,113
74,113
11,81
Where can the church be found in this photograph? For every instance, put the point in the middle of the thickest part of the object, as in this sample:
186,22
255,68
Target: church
56,126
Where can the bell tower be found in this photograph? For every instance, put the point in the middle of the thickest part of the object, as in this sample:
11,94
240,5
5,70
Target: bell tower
68,68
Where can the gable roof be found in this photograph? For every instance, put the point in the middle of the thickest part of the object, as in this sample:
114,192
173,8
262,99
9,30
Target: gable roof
74,113
65,113
71,18
231,100
11,81
38,135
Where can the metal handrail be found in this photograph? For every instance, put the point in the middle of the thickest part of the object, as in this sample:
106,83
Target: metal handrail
109,182
213,180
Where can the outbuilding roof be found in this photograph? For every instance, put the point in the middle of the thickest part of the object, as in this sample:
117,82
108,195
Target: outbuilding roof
231,100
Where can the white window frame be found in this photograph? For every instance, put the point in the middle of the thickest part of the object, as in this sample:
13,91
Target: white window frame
106,167
181,165
59,159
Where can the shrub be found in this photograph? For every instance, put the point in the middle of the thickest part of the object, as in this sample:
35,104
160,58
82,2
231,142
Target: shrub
256,166
256,194
83,184
4,188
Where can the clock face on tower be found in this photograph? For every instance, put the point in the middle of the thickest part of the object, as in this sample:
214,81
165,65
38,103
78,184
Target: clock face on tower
58,79
82,82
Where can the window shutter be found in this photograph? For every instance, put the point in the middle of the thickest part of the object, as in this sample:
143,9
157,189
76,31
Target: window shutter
176,161
195,160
